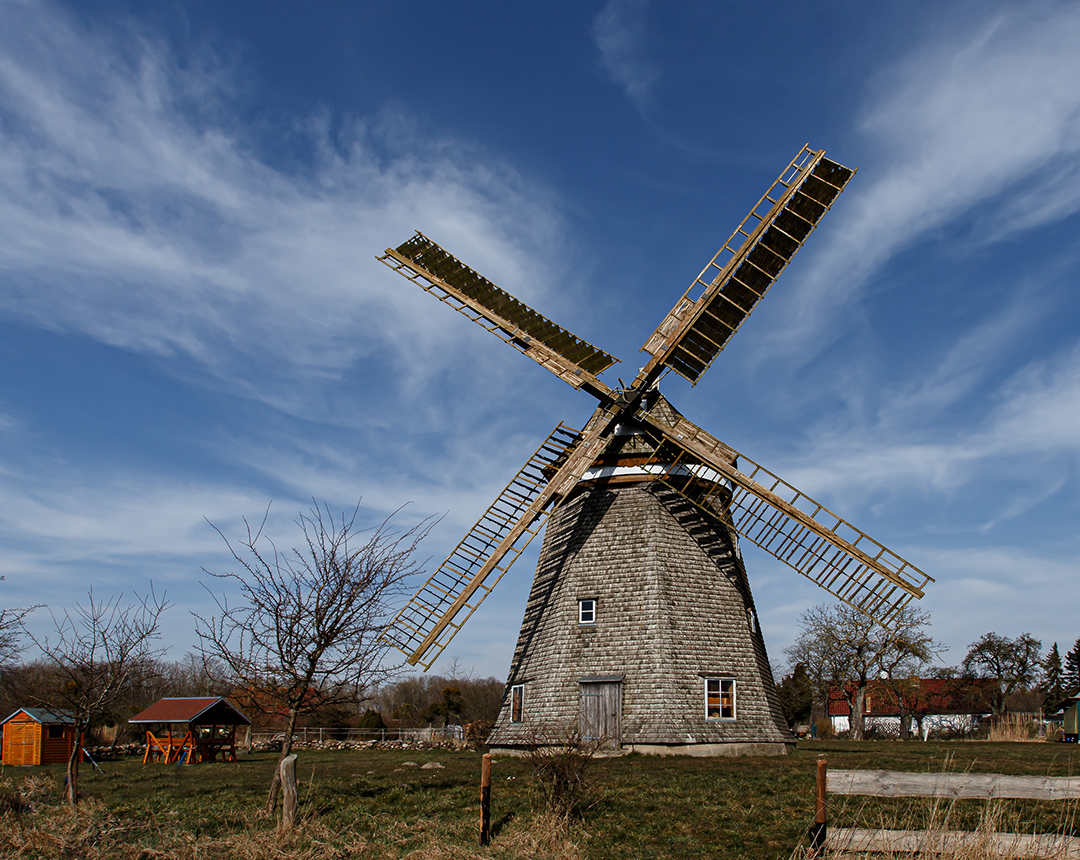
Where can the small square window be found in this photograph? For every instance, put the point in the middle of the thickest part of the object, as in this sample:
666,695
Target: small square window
586,611
517,703
56,732
719,698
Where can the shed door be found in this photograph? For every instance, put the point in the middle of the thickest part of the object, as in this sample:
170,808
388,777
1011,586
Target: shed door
601,712
21,746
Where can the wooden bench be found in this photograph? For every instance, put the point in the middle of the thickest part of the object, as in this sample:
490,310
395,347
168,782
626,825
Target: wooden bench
951,786
169,749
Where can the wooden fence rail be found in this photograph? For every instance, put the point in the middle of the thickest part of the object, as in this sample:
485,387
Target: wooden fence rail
951,786
959,843
961,786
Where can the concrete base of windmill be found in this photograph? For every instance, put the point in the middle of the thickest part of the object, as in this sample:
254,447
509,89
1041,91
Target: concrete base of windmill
732,749
703,750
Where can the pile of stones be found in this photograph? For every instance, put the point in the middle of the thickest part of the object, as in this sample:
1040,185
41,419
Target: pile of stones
100,752
275,744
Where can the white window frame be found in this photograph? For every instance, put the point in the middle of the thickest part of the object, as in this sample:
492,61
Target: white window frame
719,685
517,703
582,612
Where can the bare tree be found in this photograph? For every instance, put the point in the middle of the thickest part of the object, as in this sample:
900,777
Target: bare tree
843,647
1011,664
97,652
11,628
305,632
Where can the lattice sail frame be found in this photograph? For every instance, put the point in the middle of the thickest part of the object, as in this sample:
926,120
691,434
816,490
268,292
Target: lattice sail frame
785,522
691,336
574,360
427,623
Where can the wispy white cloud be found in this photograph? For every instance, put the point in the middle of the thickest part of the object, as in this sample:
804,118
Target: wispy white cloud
984,112
619,31
137,211
1030,427
134,211
61,521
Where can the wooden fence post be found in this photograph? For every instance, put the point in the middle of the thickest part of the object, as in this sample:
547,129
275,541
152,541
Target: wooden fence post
817,830
485,800
288,786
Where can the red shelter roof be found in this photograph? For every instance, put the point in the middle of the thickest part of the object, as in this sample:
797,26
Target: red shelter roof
213,710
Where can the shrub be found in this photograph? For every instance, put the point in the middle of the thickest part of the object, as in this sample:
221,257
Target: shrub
825,729
371,721
560,758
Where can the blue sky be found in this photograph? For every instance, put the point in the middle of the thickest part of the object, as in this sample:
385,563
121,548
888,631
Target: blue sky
192,321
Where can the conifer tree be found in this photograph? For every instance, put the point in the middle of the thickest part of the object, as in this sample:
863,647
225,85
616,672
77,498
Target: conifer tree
1053,681
1072,670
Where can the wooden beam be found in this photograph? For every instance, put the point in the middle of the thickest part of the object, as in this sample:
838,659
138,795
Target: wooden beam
287,769
485,800
954,843
978,786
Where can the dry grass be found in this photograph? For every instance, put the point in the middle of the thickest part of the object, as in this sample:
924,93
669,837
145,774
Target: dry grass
1011,728
545,837
560,758
98,833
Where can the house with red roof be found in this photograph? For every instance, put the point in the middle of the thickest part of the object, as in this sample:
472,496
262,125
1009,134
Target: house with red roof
950,706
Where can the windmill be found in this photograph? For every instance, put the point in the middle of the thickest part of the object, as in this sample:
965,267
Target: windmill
640,625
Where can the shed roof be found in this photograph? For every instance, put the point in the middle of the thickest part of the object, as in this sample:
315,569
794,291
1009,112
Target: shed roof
206,711
46,716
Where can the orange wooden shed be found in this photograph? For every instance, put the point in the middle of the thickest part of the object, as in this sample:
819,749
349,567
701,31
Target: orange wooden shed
38,736
207,729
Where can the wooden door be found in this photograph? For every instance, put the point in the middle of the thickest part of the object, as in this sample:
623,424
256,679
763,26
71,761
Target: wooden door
19,743
601,713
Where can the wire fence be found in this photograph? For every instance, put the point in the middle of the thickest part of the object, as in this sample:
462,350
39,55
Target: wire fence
308,734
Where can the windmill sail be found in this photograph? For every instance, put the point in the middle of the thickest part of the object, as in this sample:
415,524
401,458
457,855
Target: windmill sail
759,505
730,286
427,623
443,275
787,523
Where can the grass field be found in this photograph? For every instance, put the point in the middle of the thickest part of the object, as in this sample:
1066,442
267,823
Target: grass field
374,804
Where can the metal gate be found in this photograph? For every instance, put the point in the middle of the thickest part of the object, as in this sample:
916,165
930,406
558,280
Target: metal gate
601,711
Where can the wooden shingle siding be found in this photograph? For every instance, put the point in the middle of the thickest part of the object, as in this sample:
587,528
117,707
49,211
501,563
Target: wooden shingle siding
673,607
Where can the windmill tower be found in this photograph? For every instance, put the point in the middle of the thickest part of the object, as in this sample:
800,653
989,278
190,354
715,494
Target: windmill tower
640,626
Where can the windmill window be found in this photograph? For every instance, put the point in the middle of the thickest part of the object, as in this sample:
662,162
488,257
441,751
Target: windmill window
517,703
719,698
586,611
